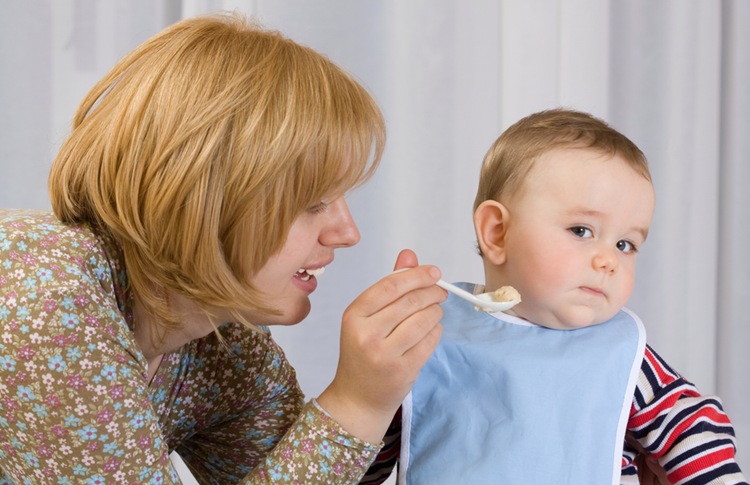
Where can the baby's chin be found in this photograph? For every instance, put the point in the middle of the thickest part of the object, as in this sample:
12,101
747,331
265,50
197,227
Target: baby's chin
570,320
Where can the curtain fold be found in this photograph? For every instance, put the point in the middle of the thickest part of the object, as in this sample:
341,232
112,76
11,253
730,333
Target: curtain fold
450,76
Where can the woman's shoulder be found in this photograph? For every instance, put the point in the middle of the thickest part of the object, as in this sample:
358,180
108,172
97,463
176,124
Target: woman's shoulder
32,231
40,256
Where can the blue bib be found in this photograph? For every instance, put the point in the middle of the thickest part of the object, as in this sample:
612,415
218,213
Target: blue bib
503,401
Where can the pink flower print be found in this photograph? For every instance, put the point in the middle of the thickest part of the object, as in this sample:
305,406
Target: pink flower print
307,446
144,442
93,446
10,404
75,381
59,431
91,321
52,401
44,451
111,465
12,255
287,453
116,392
60,340
26,352
50,306
105,416
338,468
28,259
81,301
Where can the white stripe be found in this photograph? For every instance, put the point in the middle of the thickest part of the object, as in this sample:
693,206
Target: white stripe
672,428
635,371
665,411
403,460
703,471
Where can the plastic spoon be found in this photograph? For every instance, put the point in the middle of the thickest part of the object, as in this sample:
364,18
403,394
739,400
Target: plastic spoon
483,301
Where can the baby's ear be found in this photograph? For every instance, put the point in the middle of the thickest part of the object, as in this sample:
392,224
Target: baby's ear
490,224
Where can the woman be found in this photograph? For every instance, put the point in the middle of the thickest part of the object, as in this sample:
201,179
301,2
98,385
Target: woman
198,195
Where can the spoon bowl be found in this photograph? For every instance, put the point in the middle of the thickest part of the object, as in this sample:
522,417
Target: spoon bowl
483,301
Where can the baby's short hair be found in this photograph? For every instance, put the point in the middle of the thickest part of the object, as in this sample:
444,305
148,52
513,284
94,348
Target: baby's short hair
200,148
514,153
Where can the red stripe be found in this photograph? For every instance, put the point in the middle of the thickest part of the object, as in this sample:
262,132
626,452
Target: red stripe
654,409
700,464
711,413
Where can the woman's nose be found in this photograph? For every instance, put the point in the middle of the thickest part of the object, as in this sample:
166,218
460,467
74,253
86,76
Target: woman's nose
341,231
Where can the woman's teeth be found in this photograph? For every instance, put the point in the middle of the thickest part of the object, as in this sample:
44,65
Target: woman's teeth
306,273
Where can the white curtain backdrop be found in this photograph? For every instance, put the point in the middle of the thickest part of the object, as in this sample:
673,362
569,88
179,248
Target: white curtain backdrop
450,75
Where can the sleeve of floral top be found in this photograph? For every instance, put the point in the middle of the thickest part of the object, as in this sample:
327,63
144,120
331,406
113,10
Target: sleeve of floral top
252,423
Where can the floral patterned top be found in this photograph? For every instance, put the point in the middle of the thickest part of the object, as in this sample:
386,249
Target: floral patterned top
75,404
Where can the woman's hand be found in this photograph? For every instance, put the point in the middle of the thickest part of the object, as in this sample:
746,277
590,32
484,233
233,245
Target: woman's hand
387,335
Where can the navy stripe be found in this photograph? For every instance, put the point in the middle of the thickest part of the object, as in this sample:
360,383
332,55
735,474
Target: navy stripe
677,419
711,475
650,376
687,454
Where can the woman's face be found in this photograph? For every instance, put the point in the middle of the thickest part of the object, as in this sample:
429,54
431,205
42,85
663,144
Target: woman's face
312,239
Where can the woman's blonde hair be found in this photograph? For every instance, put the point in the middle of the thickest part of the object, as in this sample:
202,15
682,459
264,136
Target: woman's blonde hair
199,149
513,154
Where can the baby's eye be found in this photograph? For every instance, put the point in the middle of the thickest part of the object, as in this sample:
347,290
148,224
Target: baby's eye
581,231
626,247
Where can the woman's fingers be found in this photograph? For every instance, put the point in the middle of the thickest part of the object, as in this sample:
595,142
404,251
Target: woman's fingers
391,289
406,259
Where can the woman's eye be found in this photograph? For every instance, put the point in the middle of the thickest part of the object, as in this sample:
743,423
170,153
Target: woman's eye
317,208
626,247
581,231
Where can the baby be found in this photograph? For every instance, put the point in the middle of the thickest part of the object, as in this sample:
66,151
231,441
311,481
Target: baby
547,392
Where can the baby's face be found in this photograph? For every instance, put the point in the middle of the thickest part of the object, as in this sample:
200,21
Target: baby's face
572,237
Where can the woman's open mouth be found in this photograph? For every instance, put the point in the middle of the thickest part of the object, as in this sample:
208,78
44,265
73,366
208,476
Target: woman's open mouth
304,274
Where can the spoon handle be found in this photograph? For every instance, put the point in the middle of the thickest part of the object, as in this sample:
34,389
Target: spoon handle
457,291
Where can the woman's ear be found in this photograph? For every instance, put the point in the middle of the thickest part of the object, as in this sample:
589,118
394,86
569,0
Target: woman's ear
491,224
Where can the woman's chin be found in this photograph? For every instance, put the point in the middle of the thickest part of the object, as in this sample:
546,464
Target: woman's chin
290,316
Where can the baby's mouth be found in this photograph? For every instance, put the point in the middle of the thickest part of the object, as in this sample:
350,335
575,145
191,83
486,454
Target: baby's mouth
304,274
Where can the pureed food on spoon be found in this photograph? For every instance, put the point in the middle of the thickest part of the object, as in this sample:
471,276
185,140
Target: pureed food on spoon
504,293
